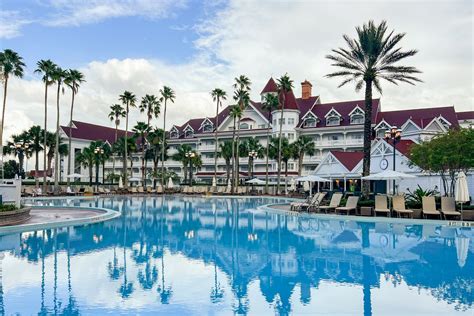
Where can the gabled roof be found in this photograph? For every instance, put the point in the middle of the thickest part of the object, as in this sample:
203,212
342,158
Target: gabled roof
421,117
467,115
404,146
87,131
271,86
348,159
290,100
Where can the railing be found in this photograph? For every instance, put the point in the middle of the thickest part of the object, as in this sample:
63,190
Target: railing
331,143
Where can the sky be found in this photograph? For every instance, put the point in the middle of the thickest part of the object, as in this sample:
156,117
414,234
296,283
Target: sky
195,46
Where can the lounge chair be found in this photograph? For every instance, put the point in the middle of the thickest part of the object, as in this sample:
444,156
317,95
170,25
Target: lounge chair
399,208
140,190
295,206
315,206
220,190
429,207
381,205
335,201
351,205
81,191
228,190
159,189
133,190
448,207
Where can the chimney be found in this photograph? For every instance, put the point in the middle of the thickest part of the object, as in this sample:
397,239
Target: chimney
306,89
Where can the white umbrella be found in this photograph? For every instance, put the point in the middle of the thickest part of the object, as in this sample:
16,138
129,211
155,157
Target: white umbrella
120,184
170,183
462,192
292,184
134,179
228,185
75,175
214,184
462,248
389,175
255,181
311,178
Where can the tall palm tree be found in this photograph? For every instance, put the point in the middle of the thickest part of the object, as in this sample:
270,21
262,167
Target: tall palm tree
116,113
180,156
236,114
151,105
303,146
141,129
226,153
370,57
167,94
248,146
155,138
270,104
285,85
128,100
242,97
283,148
51,146
22,153
86,158
11,64
123,146
217,96
46,68
58,76
73,80
36,135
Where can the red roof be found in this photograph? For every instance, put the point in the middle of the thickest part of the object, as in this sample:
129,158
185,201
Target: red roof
467,115
87,131
349,159
271,86
290,101
404,146
421,117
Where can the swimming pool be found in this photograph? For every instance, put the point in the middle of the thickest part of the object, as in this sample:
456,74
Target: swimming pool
178,255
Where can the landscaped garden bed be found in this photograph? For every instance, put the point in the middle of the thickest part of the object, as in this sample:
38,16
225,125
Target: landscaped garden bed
11,215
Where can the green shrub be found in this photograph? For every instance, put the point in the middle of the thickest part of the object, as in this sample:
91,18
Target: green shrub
7,207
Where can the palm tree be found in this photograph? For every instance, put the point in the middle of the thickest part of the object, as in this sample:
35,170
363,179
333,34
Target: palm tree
303,146
58,76
226,152
248,146
86,158
11,64
167,94
36,135
194,162
73,80
372,56
116,112
283,148
242,97
270,104
180,156
217,96
155,138
285,85
141,129
236,114
151,105
128,99
23,152
46,68
121,150
104,156
51,146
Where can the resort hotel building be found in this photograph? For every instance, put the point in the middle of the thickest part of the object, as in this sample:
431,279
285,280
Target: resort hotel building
335,127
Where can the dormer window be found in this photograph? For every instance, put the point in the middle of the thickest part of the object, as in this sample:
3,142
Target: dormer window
174,133
188,132
310,120
333,118
357,116
207,126
444,122
381,128
245,126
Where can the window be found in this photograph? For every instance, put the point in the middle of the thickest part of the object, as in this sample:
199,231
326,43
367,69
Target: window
188,133
174,133
262,126
357,119
280,121
357,136
335,137
291,136
207,128
310,122
291,121
333,121
291,166
274,122
245,126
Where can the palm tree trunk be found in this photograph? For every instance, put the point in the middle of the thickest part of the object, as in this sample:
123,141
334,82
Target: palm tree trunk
367,137
143,161
267,149
237,156
300,163
90,173
113,156
36,169
215,140
279,143
163,148
69,145
125,162
3,120
185,170
56,149
227,162
249,167
45,135
233,158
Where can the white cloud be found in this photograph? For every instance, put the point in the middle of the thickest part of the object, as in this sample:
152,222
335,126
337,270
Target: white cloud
11,23
78,12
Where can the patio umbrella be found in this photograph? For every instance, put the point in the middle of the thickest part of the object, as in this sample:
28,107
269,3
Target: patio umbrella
255,181
462,248
311,178
134,179
462,192
120,184
75,175
389,175
170,183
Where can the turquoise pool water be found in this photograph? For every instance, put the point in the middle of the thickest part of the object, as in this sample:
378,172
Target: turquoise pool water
222,256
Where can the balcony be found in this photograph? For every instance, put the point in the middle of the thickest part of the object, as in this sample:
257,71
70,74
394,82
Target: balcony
339,143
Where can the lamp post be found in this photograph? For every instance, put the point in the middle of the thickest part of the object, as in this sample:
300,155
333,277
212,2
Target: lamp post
98,152
394,134
20,149
190,155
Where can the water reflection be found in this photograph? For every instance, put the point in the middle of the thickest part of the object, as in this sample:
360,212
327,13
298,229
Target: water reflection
234,247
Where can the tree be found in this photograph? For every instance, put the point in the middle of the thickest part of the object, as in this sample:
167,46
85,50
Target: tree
217,95
248,146
116,113
226,152
141,129
155,139
236,114
372,56
270,104
12,168
151,105
11,64
446,155
58,76
285,150
86,159
128,99
303,146
180,156
36,136
167,94
122,147
51,144
73,80
19,146
46,68
285,85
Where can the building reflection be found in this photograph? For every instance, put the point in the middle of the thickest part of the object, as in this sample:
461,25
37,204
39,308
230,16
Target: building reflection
284,253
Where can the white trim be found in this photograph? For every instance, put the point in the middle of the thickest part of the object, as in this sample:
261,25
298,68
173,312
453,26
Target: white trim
331,111
409,121
377,127
204,121
259,113
357,107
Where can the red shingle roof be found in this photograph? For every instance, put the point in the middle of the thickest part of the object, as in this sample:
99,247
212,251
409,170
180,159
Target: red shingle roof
404,146
92,132
467,115
349,159
290,101
271,86
421,117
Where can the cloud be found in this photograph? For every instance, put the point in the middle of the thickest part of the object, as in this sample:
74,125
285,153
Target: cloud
11,23
78,12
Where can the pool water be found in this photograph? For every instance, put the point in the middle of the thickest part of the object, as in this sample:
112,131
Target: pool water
222,256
